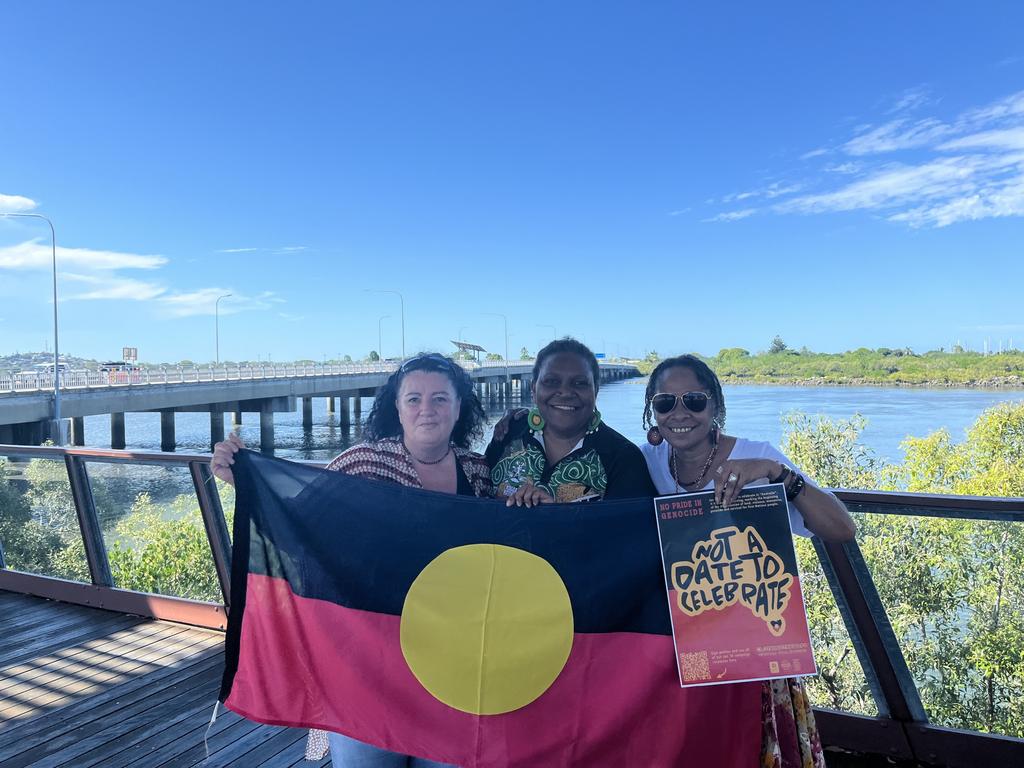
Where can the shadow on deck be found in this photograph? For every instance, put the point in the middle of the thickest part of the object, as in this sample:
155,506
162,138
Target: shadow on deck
85,687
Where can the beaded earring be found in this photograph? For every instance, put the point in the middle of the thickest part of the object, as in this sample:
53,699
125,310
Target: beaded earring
654,436
595,422
534,420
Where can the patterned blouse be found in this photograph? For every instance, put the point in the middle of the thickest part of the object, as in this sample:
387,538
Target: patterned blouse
388,460
604,465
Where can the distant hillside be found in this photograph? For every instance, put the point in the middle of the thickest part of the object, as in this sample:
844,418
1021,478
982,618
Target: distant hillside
27,361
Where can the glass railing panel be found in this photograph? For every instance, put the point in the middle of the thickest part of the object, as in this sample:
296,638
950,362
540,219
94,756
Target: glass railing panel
153,530
954,593
841,683
39,529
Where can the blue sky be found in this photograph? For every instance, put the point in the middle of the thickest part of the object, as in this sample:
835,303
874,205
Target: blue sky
669,176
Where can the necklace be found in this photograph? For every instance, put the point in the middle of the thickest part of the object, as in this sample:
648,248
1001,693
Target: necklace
703,472
428,463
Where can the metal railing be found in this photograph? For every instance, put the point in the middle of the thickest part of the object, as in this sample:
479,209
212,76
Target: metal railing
901,730
34,381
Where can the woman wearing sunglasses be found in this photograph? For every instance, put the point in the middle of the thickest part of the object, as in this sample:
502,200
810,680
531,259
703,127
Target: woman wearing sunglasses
686,452
419,431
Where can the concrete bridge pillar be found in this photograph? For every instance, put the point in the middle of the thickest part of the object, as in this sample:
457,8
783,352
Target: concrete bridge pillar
117,431
236,420
78,430
167,440
344,418
307,414
266,429
216,427
357,407
330,406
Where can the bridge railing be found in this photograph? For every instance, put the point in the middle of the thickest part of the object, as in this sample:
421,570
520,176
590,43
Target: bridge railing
101,507
32,381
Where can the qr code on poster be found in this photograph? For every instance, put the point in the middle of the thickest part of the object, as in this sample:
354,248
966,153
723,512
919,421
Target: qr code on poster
695,666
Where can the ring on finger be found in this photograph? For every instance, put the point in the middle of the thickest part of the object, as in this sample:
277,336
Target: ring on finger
733,477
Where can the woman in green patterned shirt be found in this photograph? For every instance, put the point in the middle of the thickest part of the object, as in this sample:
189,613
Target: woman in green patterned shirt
562,451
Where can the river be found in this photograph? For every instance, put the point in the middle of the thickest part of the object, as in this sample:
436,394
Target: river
755,412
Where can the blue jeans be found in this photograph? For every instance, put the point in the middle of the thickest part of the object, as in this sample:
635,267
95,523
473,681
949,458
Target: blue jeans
348,753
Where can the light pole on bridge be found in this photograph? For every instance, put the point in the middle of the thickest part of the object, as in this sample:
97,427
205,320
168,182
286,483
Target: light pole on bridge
380,349
216,323
401,300
508,379
57,432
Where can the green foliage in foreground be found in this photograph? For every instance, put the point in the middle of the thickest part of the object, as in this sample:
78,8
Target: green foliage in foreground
863,366
953,589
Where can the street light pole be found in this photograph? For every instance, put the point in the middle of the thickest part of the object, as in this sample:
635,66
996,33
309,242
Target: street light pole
508,379
216,323
401,300
380,350
57,431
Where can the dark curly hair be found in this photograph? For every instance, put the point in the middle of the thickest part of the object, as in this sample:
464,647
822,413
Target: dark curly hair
705,376
571,346
383,420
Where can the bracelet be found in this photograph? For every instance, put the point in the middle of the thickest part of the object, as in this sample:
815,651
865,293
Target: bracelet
796,487
783,475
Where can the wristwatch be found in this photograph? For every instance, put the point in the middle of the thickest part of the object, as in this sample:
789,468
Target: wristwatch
783,475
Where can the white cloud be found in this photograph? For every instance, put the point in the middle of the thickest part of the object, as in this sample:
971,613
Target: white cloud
37,254
203,302
16,204
932,172
896,135
733,215
912,100
846,168
679,212
237,250
113,287
814,153
1006,138
887,187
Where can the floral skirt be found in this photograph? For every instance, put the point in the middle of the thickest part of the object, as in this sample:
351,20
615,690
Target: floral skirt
789,736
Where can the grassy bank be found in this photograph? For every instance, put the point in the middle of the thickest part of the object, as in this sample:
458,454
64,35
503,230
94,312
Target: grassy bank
886,367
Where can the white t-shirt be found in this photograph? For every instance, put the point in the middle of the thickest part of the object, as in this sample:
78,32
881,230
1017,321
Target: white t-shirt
658,456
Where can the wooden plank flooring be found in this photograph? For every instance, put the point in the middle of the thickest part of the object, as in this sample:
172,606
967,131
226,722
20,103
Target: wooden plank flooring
83,687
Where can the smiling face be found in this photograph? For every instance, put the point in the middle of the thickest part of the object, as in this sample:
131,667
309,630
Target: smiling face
565,394
427,409
681,427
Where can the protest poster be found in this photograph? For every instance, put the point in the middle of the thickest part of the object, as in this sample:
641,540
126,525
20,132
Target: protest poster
733,587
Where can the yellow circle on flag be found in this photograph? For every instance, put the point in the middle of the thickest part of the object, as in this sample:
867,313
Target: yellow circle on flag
487,628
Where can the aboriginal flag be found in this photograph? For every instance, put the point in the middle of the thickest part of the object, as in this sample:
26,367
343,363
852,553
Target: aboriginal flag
462,631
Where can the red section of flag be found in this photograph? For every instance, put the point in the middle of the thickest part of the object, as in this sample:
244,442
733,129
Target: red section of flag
617,702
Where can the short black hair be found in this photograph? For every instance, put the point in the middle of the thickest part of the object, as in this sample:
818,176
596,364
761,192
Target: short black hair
705,376
571,346
383,420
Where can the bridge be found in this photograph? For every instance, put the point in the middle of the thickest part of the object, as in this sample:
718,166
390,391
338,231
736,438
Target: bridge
26,399
96,673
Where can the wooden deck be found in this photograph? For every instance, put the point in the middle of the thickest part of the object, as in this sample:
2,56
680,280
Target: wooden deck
84,687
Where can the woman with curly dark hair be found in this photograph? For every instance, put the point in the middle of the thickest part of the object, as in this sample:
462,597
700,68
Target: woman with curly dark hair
419,431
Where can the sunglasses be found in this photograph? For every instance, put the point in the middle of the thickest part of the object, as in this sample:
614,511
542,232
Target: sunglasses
664,402
431,359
